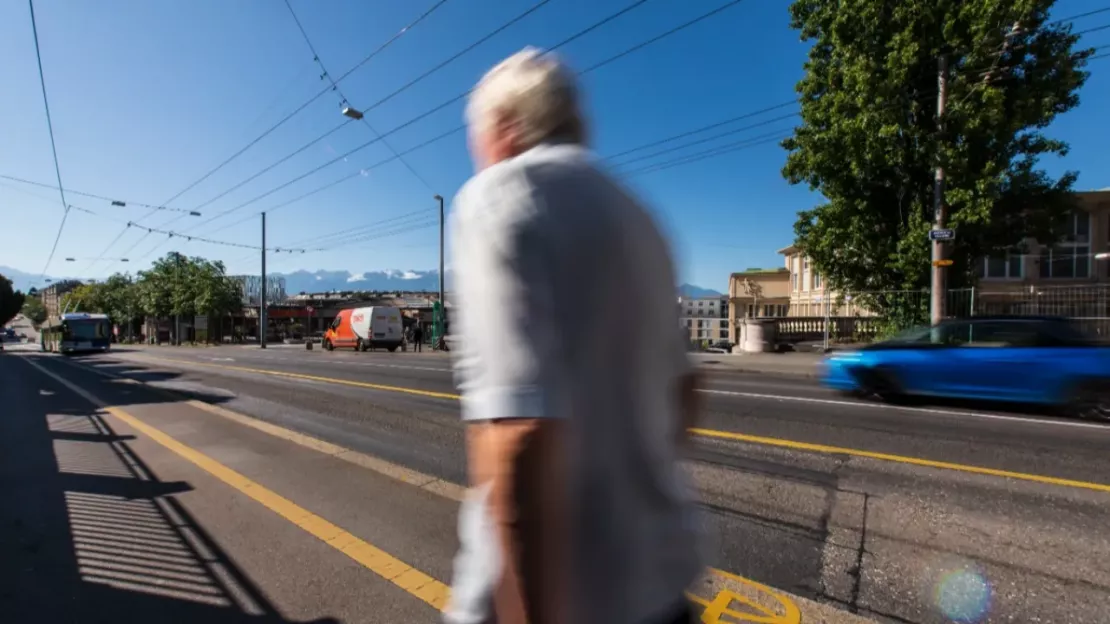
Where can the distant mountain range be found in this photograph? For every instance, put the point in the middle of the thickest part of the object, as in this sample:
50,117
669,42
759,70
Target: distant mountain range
390,280
327,281
689,290
24,281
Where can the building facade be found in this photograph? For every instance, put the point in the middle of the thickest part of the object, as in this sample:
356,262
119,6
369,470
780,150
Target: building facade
1006,283
756,293
706,318
250,288
53,295
1073,261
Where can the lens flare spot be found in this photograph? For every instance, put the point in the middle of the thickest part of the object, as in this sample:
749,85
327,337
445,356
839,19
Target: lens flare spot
963,596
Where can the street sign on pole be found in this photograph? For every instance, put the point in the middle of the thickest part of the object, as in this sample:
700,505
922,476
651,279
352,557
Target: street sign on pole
942,263
942,235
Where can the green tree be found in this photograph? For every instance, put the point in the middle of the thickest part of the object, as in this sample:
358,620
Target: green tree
11,301
869,138
84,298
34,310
179,285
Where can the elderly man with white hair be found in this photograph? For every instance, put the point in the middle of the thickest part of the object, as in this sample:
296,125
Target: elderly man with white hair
576,388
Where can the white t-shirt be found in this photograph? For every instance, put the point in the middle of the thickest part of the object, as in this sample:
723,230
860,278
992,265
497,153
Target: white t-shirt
565,306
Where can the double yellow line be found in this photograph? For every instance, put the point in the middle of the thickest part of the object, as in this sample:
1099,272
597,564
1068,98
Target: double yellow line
706,433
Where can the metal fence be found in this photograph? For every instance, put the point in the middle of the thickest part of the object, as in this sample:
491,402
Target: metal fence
857,317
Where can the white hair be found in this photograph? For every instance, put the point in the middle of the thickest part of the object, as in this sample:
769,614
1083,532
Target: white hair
536,91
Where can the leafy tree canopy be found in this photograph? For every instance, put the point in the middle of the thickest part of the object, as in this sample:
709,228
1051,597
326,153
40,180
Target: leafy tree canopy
11,301
33,309
175,284
869,138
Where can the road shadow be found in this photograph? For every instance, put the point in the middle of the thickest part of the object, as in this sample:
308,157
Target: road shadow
116,380
89,533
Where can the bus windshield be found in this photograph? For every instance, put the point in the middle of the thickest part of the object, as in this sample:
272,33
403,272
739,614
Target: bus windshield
85,330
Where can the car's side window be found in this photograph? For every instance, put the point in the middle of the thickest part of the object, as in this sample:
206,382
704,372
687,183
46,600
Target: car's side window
1003,334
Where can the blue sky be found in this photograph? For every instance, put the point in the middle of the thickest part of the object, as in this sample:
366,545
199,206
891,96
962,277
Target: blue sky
147,97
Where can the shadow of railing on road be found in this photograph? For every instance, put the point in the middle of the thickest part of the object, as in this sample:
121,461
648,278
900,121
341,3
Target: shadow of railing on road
89,533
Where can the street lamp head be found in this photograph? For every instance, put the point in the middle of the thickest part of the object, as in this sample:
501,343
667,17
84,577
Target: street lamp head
438,198
194,213
71,259
351,112
124,260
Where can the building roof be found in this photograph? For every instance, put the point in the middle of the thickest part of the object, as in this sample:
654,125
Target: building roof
789,249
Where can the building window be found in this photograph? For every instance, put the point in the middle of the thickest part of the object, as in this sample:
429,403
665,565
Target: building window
1071,257
816,280
1066,261
805,274
1003,267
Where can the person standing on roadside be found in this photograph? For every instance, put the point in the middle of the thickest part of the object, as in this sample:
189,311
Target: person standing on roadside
577,510
417,337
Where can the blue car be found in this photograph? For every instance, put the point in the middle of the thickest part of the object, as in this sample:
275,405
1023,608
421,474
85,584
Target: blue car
1040,361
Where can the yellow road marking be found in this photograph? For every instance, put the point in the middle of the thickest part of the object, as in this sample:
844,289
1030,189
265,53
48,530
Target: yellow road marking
721,605
413,581
928,463
331,380
436,486
725,435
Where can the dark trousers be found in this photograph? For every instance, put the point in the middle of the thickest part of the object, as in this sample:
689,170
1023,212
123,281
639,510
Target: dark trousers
418,344
682,615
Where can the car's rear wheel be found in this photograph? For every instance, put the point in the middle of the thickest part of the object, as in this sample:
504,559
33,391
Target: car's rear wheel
1092,401
328,345
360,345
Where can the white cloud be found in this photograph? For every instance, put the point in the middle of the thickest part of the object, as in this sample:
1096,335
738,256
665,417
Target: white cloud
318,278
356,277
410,275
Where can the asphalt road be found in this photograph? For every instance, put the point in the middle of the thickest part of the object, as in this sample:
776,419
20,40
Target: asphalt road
22,325
930,514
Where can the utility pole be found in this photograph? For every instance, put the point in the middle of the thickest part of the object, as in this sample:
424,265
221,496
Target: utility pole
939,273
177,313
262,308
439,324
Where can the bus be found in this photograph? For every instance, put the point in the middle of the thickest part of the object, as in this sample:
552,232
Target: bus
76,333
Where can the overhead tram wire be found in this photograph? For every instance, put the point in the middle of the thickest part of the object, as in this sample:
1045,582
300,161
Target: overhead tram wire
344,100
332,238
349,176
53,145
428,113
114,201
706,139
463,95
757,141
490,35
172,234
308,102
435,6
346,237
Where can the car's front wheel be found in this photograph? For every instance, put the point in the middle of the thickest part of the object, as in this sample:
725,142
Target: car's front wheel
880,383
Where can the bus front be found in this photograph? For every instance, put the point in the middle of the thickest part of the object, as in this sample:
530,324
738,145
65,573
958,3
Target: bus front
82,333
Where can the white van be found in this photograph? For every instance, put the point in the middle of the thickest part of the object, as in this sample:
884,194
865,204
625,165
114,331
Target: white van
378,326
